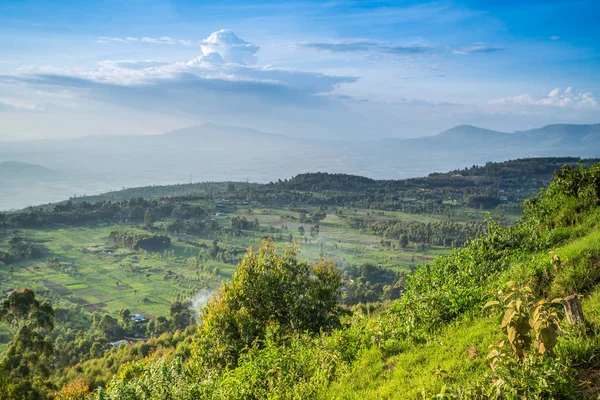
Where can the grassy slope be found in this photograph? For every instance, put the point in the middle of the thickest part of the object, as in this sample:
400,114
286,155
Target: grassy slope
448,358
436,334
423,367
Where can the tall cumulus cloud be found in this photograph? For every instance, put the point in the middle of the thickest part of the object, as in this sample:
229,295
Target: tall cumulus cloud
224,77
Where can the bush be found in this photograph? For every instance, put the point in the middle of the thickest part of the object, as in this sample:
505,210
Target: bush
267,290
140,241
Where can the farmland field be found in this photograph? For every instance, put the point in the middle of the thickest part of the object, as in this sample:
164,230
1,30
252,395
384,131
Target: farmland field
100,277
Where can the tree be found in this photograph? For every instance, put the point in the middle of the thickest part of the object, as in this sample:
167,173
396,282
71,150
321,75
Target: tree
109,326
301,230
403,241
96,350
179,212
24,369
214,251
150,328
181,316
149,219
314,230
125,314
21,249
161,326
318,216
75,390
267,290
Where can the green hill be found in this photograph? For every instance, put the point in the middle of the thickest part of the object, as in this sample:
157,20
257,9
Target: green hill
433,342
275,332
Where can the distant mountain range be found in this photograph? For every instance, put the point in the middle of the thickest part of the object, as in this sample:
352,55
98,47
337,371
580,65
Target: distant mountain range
548,138
555,139
210,152
11,171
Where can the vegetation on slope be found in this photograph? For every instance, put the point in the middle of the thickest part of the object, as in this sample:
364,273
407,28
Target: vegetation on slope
268,334
431,342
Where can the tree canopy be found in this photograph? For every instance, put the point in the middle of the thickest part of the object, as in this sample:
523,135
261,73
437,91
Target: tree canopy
27,360
268,290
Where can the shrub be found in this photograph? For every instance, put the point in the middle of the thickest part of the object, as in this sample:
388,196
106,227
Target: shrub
267,290
140,241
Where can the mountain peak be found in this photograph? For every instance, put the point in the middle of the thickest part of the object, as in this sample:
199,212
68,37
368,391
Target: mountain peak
16,170
216,131
466,131
569,129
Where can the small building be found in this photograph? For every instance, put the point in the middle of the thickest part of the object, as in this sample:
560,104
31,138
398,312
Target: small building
138,318
219,214
118,343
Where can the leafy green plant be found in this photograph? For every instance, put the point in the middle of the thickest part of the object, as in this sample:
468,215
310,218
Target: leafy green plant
532,377
532,328
526,321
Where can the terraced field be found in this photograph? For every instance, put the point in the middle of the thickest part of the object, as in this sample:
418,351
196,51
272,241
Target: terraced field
100,277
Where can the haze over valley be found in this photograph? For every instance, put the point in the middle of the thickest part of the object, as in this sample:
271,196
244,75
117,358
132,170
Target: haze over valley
54,170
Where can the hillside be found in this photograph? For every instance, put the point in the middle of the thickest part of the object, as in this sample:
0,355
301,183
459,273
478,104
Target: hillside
435,338
426,337
525,175
158,191
564,135
13,171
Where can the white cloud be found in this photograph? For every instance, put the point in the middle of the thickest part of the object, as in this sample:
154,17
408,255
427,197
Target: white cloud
220,46
363,46
478,48
555,37
106,39
224,57
223,79
229,47
414,48
557,97
133,64
10,105
161,40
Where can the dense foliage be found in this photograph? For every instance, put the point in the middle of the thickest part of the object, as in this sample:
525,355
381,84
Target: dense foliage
276,330
512,181
446,290
140,241
19,249
267,290
24,370
445,233
368,283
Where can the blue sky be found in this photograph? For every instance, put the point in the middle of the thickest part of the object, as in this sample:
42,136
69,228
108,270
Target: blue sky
337,69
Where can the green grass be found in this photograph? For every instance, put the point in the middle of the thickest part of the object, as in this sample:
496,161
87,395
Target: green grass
102,281
104,277
455,356
341,242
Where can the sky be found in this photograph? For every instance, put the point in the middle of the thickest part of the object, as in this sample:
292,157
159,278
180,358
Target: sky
353,70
